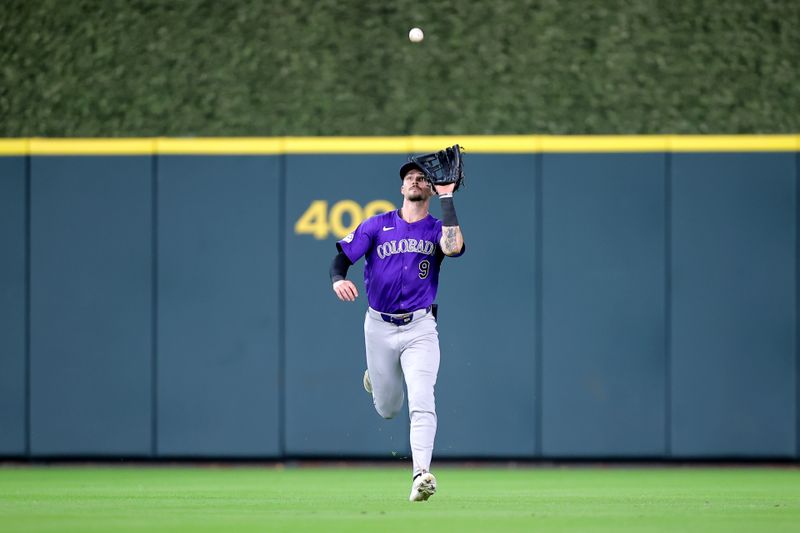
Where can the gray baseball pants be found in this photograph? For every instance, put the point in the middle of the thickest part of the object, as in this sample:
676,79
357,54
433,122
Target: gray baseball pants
409,351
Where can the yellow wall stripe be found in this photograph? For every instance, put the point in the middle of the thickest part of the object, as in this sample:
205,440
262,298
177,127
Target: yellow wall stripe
524,144
39,146
215,146
14,147
347,145
616,143
491,144
735,143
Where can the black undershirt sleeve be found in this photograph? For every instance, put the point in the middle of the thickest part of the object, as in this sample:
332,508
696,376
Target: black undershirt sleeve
449,217
339,267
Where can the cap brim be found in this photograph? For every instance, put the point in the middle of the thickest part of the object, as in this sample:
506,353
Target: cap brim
408,167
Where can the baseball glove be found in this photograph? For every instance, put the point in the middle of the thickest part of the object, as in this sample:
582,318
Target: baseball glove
442,167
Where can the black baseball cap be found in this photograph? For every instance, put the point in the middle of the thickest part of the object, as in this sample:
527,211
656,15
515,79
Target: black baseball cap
408,166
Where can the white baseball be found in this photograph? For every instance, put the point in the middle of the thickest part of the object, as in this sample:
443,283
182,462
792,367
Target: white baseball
415,35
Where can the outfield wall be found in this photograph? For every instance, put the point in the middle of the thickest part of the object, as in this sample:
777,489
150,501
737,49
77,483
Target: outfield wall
620,298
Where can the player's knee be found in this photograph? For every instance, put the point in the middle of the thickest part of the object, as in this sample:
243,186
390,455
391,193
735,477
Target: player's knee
423,416
387,413
387,409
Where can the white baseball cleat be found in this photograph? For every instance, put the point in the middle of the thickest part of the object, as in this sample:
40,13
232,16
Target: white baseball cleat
367,382
423,487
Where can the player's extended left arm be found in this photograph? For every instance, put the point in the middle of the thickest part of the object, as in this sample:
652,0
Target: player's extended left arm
452,241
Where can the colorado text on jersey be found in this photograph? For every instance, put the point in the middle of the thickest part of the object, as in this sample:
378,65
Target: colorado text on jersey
405,246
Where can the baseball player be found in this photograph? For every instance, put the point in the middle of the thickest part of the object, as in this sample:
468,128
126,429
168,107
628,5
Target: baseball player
403,251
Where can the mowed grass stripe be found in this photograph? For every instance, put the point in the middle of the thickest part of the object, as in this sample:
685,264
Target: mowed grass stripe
369,499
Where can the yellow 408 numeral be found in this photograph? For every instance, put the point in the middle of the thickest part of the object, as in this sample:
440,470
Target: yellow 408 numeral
319,222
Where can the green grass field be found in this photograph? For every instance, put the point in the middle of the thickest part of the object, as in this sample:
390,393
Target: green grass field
238,499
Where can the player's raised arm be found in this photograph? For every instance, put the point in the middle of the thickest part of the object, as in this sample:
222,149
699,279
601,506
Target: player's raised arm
452,241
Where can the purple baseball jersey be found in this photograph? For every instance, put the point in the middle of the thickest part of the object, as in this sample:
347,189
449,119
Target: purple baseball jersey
401,260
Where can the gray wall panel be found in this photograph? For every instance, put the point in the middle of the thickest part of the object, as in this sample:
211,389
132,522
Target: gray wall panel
655,340
486,392
734,316
13,306
603,305
218,335
324,368
91,305
327,410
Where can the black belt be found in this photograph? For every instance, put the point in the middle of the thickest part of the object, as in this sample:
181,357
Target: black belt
402,320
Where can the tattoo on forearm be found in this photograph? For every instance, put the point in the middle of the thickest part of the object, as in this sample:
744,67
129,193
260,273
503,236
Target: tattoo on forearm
450,239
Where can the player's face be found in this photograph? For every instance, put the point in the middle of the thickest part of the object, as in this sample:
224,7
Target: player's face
416,186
